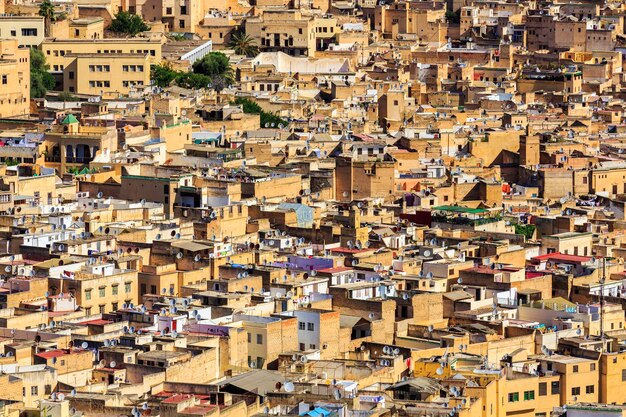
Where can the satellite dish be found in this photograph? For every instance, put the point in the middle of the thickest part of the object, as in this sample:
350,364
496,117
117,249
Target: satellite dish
61,397
84,345
289,387
179,255
439,371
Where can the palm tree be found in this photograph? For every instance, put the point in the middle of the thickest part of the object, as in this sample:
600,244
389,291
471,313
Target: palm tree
244,45
46,9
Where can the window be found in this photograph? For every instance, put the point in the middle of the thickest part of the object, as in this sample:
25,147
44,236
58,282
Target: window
623,375
114,306
301,325
590,389
181,24
554,388
300,31
114,290
5,79
71,75
87,294
529,395
310,326
575,390
575,369
102,292
127,287
34,390
249,338
592,367
513,397
259,339
29,32
543,389
47,389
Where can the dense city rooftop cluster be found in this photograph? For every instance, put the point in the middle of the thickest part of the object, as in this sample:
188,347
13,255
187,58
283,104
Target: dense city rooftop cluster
322,208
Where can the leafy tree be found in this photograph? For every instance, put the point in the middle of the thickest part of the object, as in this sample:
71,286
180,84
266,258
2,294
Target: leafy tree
46,9
40,79
215,64
193,80
127,23
244,45
248,105
453,17
527,230
251,107
163,74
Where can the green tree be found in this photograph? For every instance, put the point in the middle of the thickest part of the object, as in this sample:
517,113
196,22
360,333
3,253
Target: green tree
267,118
163,74
243,44
527,230
193,80
453,17
130,24
215,64
40,79
46,9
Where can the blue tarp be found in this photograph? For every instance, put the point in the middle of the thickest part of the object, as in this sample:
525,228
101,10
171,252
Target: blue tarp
317,412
